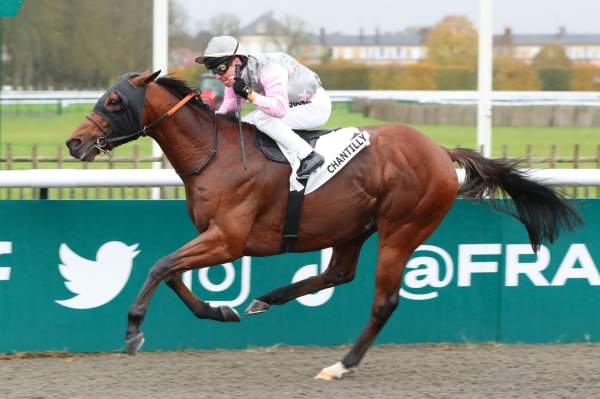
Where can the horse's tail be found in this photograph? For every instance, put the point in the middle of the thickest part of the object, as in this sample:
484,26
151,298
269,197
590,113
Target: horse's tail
543,211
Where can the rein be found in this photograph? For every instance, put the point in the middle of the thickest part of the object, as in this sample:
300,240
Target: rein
104,144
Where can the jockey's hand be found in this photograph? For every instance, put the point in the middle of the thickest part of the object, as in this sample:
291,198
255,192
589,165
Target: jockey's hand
241,88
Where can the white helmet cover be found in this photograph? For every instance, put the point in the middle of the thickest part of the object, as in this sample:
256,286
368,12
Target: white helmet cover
222,46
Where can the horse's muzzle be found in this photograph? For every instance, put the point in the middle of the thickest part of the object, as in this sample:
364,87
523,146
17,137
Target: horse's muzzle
79,150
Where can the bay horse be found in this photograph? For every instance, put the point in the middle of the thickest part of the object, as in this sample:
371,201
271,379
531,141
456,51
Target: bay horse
401,186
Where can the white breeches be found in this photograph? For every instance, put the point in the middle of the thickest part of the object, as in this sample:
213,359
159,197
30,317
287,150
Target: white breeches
305,116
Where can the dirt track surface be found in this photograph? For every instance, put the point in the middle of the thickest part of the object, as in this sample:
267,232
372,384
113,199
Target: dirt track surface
388,371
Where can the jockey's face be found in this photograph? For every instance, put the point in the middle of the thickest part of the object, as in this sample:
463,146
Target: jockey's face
229,75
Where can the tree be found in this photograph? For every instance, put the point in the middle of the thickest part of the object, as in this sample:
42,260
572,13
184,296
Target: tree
512,74
77,44
586,77
292,37
178,36
452,42
552,56
554,68
224,24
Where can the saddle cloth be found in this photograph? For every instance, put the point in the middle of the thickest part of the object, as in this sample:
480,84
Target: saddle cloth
337,146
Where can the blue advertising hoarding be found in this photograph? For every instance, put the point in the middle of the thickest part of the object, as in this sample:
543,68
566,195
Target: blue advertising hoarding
70,269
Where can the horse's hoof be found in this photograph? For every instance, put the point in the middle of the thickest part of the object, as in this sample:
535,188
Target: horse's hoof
257,307
331,373
135,343
229,314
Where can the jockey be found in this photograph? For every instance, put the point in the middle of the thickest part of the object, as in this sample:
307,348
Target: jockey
287,96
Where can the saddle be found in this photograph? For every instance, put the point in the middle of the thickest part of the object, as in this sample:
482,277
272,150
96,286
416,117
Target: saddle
271,150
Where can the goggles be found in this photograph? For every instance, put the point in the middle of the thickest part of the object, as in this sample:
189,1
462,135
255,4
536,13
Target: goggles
221,69
221,65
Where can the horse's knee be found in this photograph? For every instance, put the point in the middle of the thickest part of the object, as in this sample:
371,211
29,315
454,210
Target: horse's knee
161,269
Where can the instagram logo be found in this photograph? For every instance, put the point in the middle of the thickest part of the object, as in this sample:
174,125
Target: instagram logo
226,284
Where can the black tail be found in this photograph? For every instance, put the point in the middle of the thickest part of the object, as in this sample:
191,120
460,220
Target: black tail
543,211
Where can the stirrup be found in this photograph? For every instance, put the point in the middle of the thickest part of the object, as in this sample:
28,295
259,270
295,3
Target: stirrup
308,165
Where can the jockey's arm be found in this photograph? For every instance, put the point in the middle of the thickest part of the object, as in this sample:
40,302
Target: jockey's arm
275,101
229,101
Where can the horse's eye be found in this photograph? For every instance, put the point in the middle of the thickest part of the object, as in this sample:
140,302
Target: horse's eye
113,103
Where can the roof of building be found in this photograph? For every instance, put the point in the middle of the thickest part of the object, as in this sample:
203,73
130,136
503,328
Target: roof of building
387,39
266,25
564,38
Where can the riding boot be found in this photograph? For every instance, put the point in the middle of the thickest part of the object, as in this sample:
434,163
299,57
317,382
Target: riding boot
309,164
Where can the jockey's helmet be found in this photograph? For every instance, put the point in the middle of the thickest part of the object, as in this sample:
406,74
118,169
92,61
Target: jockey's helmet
221,48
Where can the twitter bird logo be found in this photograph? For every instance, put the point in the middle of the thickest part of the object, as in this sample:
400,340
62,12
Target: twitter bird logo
96,282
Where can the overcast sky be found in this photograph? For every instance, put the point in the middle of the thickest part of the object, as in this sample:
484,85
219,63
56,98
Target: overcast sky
348,16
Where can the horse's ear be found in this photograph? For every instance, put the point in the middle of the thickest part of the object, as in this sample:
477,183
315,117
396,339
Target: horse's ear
151,77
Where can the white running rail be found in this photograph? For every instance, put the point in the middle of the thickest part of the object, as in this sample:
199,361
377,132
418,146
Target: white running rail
48,178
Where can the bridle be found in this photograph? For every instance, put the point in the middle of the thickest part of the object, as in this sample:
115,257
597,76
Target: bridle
106,143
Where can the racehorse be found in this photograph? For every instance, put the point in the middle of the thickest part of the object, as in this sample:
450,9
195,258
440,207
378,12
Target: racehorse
401,186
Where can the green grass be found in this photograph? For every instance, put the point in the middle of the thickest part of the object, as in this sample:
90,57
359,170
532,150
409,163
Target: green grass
49,132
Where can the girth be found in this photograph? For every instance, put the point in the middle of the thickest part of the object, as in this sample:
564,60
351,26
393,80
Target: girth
295,198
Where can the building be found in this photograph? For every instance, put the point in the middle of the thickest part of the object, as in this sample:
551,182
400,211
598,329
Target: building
265,34
397,48
580,48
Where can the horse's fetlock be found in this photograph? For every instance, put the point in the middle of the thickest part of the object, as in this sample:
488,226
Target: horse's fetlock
136,313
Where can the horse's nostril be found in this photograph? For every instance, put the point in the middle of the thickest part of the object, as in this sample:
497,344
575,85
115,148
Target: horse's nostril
74,144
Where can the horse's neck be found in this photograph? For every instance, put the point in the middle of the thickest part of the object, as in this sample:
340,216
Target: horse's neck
186,138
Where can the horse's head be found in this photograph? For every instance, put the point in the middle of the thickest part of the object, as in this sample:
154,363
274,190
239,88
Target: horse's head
117,117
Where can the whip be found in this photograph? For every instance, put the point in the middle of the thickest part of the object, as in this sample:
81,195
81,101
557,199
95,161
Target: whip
238,74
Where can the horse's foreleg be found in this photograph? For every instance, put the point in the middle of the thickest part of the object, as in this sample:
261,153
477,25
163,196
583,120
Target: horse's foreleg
134,337
209,248
199,308
341,269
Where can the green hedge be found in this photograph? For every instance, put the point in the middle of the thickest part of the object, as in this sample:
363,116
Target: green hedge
343,76
395,77
454,78
507,76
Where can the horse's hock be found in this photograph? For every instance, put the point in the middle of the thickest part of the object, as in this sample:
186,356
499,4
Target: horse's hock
459,114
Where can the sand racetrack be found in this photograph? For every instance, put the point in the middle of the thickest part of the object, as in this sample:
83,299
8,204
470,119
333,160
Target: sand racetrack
388,371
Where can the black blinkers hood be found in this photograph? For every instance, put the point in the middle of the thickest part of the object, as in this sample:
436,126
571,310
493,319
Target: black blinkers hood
128,119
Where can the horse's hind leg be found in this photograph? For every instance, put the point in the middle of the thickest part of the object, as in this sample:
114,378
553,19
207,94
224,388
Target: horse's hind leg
394,251
341,269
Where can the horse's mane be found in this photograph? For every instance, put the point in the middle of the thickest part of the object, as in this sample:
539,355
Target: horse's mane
180,88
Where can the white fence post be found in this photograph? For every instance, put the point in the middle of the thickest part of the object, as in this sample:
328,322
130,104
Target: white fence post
160,60
484,79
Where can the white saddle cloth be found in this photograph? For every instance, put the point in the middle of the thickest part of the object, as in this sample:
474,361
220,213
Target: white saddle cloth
338,148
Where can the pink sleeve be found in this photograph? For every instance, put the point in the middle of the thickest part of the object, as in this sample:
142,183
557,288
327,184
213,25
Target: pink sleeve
229,102
275,101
